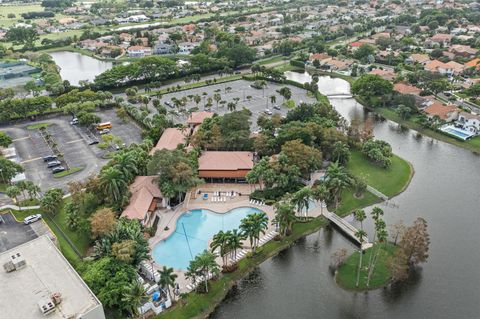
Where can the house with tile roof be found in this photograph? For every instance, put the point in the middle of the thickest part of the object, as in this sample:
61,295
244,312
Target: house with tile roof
448,113
223,166
170,139
145,200
450,68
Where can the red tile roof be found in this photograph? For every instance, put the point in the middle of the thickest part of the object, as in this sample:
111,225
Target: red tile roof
225,161
144,190
406,89
198,117
441,110
169,140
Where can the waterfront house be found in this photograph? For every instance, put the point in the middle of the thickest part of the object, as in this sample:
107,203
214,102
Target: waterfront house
447,113
469,122
384,74
137,51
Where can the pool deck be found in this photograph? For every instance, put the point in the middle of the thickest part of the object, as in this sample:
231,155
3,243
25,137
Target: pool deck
194,200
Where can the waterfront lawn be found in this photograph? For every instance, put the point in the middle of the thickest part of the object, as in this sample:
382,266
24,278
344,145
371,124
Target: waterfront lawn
347,273
390,181
194,304
349,203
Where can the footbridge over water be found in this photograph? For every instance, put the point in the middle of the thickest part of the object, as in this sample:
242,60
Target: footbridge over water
339,96
348,229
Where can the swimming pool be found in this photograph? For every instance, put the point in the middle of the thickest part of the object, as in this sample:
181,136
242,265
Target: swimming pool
199,226
464,135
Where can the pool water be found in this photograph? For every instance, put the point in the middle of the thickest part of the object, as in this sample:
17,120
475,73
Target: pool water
198,226
464,135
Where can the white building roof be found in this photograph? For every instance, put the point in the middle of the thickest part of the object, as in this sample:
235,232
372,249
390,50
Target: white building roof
46,272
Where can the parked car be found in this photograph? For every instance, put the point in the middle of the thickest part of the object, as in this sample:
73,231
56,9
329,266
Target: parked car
58,169
268,112
74,121
49,158
32,218
276,107
169,104
53,163
238,72
93,142
104,131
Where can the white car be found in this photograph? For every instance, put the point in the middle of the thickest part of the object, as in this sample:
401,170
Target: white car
74,121
32,218
104,131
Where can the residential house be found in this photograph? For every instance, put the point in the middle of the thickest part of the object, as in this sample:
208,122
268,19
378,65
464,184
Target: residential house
186,47
464,51
145,200
418,58
91,45
439,39
197,118
354,45
384,74
404,88
475,63
450,68
137,51
333,64
448,113
469,122
162,48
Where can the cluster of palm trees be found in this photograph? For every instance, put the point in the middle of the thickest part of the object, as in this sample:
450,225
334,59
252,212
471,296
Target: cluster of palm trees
202,266
27,189
120,172
380,236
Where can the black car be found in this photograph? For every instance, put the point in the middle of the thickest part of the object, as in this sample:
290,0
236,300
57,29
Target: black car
49,158
277,107
53,164
93,142
58,169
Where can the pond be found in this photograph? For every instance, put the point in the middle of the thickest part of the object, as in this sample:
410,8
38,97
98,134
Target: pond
445,191
76,67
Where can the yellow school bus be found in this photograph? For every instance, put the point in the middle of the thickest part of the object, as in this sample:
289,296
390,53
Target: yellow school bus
104,125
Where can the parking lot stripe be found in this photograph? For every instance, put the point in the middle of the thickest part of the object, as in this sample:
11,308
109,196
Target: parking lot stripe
74,141
21,138
31,160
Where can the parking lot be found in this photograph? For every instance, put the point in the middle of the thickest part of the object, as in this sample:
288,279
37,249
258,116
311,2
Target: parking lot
13,233
70,140
257,103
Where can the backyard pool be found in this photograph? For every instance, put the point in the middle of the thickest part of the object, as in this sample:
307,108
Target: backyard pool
462,134
193,231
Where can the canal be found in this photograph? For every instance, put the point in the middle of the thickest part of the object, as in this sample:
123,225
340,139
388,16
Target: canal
444,190
76,67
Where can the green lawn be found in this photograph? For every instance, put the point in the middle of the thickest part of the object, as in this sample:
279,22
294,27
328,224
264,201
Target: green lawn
37,126
349,203
390,181
347,273
200,305
70,171
3,187
17,10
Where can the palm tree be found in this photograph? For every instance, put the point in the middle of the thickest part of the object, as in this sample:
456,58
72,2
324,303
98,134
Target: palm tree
360,216
320,194
285,92
192,272
206,265
252,226
360,234
340,152
301,199
273,99
231,106
134,296
167,279
126,164
284,217
217,97
221,240
337,180
235,242
197,99
112,181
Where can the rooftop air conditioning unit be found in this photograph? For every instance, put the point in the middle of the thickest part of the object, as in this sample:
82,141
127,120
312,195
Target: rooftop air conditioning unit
46,306
18,261
8,266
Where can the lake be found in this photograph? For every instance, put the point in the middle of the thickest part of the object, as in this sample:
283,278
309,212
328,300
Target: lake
75,67
444,190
